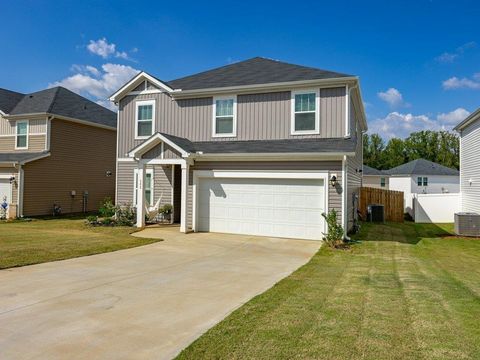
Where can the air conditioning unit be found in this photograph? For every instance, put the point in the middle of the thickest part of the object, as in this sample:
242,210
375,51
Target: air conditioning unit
467,224
375,213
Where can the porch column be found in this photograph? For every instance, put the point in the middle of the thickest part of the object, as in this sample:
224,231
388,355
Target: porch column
184,198
140,195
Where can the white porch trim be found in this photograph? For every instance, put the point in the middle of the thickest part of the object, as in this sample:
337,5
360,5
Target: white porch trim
153,141
140,195
184,198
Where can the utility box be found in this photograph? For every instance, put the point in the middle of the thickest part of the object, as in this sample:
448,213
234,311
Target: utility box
467,224
376,213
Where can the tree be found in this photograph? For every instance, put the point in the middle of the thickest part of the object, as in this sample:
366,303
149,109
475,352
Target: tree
442,147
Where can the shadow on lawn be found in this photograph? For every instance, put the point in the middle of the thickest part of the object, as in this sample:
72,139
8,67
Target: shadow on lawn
406,233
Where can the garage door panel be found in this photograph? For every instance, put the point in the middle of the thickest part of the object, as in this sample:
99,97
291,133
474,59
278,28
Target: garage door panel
266,207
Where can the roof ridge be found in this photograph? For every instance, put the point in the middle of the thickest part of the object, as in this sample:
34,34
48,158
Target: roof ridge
57,90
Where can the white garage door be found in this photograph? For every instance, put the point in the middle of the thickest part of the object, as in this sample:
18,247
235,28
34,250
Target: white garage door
289,208
5,190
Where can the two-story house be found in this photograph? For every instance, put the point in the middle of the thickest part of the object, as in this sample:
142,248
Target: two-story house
258,147
56,149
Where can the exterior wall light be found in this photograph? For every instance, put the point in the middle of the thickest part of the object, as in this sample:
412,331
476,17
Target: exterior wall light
12,179
333,181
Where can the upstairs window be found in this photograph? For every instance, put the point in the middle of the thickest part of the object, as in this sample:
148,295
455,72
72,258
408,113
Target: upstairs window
382,182
305,118
425,181
422,181
145,115
21,141
224,117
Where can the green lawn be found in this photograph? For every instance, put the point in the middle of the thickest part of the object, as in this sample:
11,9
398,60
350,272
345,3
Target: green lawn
25,243
405,292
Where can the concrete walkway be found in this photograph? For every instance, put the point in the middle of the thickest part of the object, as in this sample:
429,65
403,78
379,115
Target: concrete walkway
148,302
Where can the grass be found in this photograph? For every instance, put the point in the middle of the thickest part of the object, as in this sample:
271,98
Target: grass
43,240
405,292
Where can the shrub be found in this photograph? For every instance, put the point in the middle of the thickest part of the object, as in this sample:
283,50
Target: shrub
334,237
91,220
108,221
106,209
125,215
166,209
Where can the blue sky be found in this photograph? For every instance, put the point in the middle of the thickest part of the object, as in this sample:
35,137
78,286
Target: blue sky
418,61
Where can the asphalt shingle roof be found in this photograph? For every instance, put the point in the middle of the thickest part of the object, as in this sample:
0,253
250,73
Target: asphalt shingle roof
62,102
367,170
334,145
253,71
422,167
8,100
19,157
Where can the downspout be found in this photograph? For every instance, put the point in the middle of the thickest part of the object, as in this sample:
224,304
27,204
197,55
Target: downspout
344,197
20,191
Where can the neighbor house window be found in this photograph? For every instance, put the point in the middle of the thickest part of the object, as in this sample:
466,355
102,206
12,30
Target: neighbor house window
21,141
305,118
382,182
425,181
145,115
224,116
148,187
422,181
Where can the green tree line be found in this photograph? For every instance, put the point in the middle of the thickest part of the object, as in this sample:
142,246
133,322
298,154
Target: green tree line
438,146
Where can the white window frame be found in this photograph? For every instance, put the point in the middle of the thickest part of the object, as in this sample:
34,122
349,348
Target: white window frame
16,134
137,105
384,182
214,116
135,189
316,131
425,180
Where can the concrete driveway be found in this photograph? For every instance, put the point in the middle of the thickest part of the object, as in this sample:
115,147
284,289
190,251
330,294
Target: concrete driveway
147,302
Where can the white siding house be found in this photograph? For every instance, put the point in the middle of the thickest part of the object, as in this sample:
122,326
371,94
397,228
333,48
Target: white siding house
374,178
469,130
423,177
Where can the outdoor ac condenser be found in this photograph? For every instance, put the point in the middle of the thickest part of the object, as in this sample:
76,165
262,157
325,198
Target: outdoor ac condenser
467,224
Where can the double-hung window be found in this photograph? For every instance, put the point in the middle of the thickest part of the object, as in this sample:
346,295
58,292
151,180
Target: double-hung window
144,119
305,112
21,131
382,182
224,116
147,186
422,181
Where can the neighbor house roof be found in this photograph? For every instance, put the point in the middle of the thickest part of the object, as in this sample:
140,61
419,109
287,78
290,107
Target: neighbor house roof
367,170
327,145
468,120
61,102
8,100
21,157
253,71
422,167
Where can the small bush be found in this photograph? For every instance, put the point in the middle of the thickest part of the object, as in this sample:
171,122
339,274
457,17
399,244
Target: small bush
125,215
108,222
92,220
166,209
107,208
334,237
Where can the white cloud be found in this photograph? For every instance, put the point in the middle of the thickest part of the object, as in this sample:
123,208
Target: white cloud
453,117
101,47
400,125
462,83
450,57
392,96
98,84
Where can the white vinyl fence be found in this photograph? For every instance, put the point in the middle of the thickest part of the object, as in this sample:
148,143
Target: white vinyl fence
436,208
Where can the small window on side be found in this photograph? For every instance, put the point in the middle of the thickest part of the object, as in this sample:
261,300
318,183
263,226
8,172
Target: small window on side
425,181
419,181
382,182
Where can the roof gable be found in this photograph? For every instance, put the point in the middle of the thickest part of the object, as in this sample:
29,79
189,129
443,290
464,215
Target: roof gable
474,116
422,167
253,71
367,170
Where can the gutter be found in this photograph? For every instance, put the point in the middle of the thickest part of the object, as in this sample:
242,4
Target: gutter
61,117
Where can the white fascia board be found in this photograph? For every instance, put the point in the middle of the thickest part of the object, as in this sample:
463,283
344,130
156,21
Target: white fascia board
120,93
35,158
153,141
468,120
266,87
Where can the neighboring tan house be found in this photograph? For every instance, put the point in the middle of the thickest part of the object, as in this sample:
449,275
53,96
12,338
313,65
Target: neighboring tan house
258,147
56,147
469,130
422,177
375,178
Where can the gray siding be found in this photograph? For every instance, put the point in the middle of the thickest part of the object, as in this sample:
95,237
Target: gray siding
259,117
470,167
354,174
162,183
